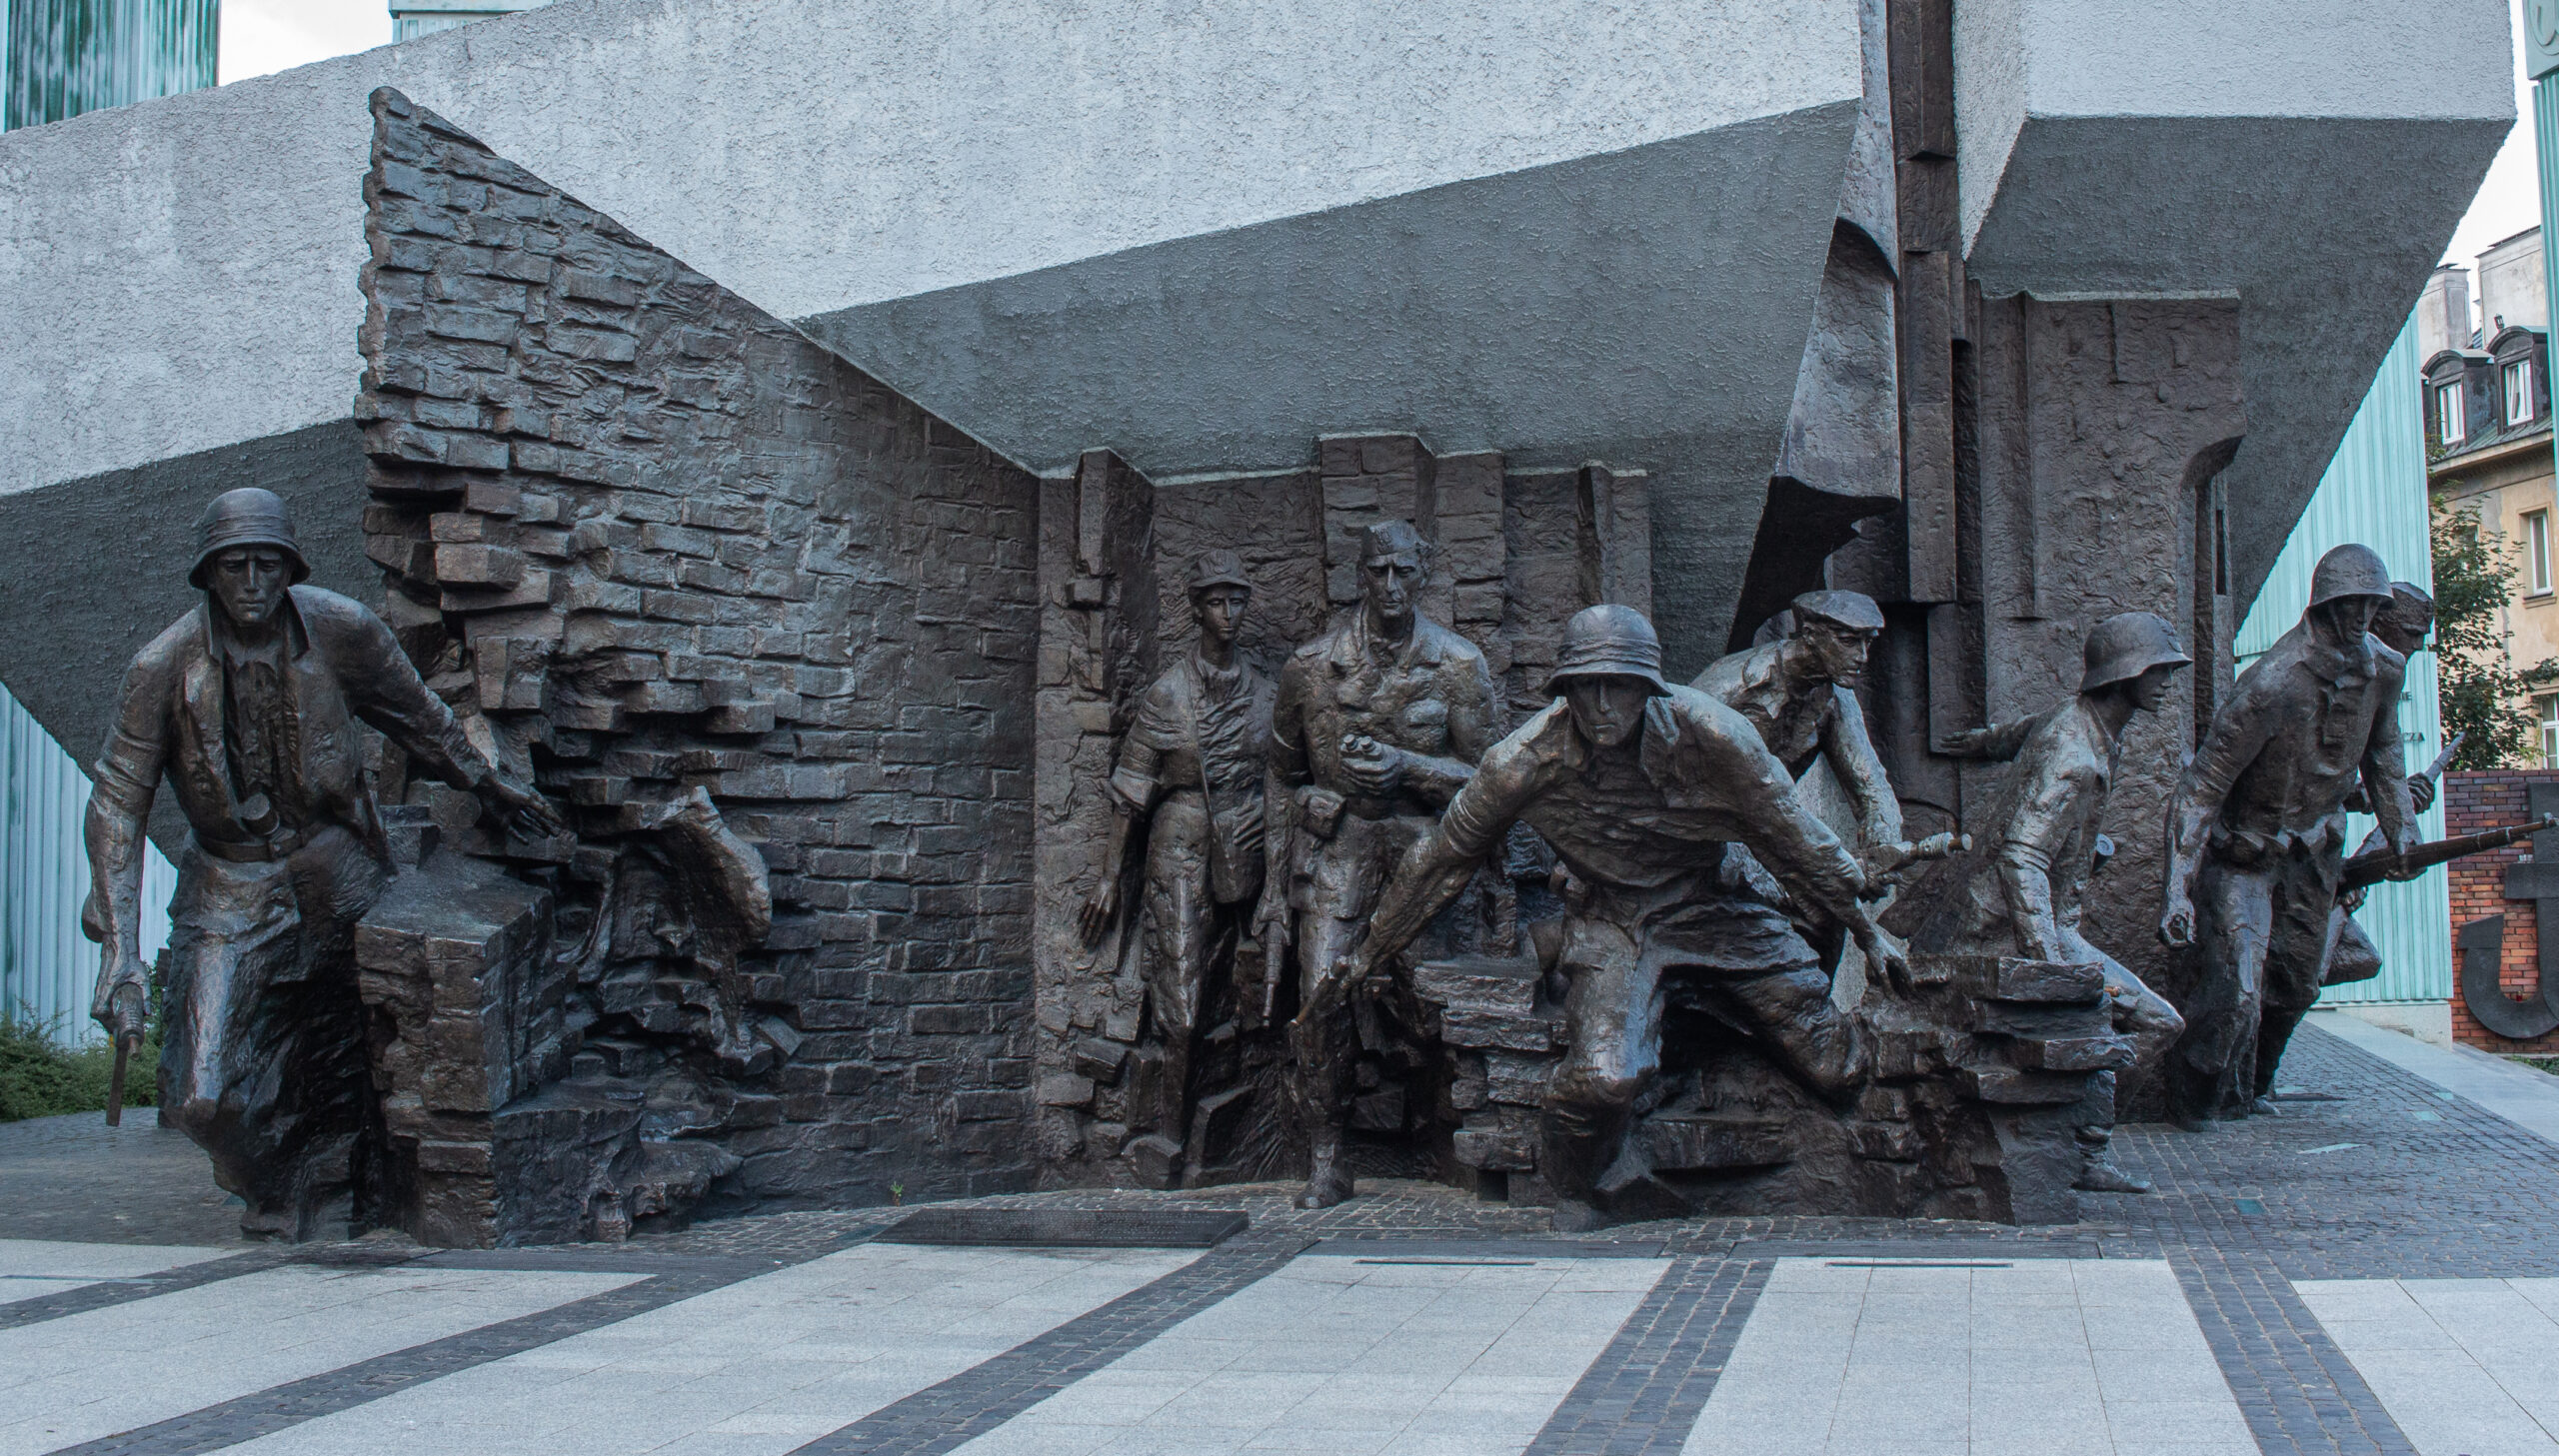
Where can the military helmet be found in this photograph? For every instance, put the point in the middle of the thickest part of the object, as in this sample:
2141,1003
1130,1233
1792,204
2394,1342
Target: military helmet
2349,571
2128,644
1609,641
1218,569
1855,611
2411,604
244,517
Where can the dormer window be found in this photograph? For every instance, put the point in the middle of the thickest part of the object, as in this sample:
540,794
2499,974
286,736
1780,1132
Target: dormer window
2518,382
2450,424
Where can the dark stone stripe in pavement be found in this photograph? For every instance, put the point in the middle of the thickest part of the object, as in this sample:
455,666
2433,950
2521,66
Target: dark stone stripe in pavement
23,1313
977,1400
2300,1393
281,1407
1644,1393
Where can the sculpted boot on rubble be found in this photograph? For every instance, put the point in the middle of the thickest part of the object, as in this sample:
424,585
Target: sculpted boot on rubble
1377,725
247,707
2023,895
1641,788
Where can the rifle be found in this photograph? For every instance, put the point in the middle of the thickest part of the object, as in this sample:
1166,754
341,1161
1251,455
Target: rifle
2374,865
126,1007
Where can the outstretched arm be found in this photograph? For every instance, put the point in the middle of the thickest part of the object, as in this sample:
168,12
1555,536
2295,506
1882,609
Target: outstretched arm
1439,864
2238,734
2386,770
1861,771
2038,830
124,780
384,689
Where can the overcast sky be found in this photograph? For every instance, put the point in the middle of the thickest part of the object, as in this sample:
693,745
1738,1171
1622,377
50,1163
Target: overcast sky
260,36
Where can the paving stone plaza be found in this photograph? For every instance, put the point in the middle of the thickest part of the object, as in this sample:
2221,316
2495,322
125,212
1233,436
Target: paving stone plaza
2368,1272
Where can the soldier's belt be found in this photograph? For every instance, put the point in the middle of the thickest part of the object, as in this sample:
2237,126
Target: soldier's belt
278,845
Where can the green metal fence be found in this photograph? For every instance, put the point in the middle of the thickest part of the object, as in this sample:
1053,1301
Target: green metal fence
64,57
2374,492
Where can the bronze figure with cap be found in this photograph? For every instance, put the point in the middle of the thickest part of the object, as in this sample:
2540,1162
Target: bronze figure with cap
1189,774
1643,790
2257,830
1798,687
1378,723
248,708
2021,893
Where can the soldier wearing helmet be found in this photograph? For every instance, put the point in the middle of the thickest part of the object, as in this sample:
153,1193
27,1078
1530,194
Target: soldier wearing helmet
1190,772
1797,686
2020,895
1643,788
2257,830
2352,956
1377,726
247,707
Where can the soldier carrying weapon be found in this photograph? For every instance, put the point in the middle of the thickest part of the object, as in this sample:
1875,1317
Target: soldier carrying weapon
247,707
2257,834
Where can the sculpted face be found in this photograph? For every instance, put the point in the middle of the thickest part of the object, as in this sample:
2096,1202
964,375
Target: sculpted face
249,583
2349,617
2152,689
1608,711
1839,651
1221,611
1388,584
2401,630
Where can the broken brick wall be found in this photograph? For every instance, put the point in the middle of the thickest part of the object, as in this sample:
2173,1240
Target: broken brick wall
647,539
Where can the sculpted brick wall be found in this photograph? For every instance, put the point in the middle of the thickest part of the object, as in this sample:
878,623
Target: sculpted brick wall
650,541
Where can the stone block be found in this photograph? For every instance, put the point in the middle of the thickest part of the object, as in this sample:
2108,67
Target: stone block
1501,987
1510,1031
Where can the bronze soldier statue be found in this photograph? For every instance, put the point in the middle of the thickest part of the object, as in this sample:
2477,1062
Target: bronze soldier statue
1191,771
2403,628
2257,830
1641,788
248,706
1377,725
1799,688
2021,895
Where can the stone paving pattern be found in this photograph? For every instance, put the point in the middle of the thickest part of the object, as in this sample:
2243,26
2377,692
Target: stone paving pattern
2370,1175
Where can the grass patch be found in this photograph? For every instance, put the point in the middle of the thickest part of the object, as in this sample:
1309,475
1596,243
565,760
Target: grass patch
41,1080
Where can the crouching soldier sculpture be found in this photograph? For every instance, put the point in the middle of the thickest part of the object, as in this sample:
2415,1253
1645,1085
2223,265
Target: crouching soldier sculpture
248,706
1190,772
1799,691
1641,788
2257,834
2021,895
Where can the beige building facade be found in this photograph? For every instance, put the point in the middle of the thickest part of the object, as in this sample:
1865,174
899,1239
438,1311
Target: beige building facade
2488,436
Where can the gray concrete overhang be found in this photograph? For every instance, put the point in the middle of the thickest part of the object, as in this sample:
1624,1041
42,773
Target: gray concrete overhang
2312,165
1200,235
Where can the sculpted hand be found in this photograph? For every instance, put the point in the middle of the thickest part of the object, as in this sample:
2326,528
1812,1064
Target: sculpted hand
119,995
1100,909
2404,840
2178,926
1887,960
523,811
2422,790
1375,769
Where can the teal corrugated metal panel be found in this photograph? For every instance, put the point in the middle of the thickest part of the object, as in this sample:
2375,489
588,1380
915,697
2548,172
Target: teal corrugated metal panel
70,56
2374,492
47,967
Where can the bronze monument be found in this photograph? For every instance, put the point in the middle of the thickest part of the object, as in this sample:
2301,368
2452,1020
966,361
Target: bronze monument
247,707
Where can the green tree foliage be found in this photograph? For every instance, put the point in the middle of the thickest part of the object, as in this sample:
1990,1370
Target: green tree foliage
2483,694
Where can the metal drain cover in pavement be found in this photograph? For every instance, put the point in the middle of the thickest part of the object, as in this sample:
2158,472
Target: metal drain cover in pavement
1105,1228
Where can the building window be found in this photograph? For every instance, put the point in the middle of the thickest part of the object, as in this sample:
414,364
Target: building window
2519,391
2450,425
2536,550
2549,731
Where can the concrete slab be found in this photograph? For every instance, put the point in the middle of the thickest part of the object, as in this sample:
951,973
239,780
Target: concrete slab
2463,1365
30,1267
2054,1356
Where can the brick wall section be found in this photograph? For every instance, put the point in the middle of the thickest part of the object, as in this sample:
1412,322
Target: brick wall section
2485,800
645,537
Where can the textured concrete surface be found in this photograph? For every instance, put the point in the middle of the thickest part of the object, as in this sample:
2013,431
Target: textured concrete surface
2464,1365
2520,1094
817,155
2310,168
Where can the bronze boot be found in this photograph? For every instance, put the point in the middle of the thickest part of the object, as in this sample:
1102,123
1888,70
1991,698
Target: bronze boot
1327,1174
